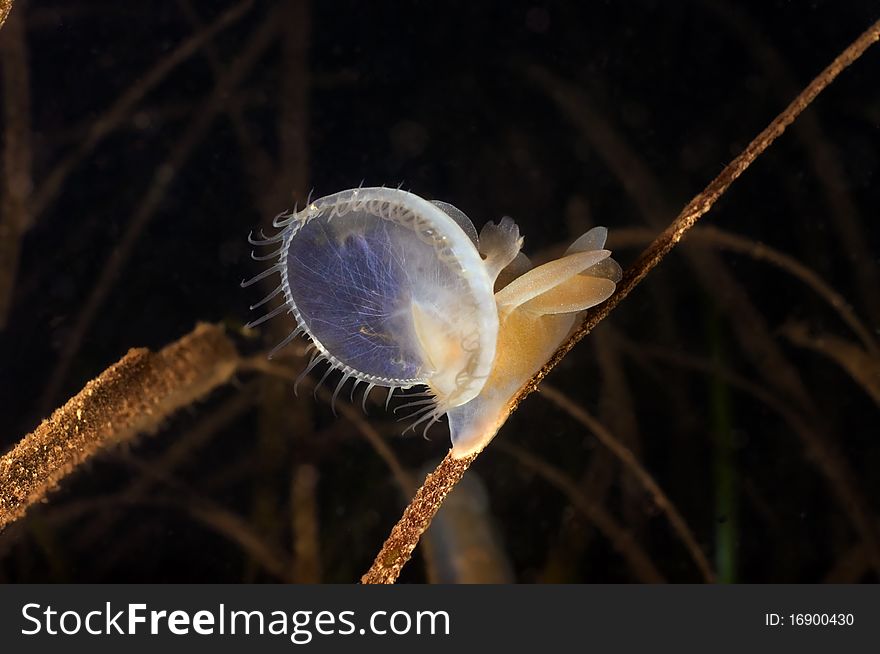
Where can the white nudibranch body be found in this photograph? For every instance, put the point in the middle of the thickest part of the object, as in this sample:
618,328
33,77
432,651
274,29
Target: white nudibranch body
397,291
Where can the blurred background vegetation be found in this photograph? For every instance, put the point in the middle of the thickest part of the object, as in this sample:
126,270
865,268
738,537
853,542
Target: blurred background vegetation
143,141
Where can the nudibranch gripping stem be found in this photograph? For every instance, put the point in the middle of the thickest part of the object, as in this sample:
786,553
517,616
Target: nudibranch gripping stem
397,291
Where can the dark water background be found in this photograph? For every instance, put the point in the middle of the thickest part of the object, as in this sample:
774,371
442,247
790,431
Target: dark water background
563,115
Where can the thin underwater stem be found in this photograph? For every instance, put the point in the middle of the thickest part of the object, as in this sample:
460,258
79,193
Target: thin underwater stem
700,205
304,525
15,187
164,175
822,153
626,456
418,515
862,366
622,540
121,109
132,396
260,363
416,518
709,236
5,8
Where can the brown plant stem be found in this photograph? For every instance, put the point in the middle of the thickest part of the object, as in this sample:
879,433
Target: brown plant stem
121,109
621,539
260,167
646,190
184,446
15,187
404,537
5,8
204,117
415,520
862,366
132,396
629,460
260,363
306,567
818,449
218,518
279,432
712,236
850,567
822,154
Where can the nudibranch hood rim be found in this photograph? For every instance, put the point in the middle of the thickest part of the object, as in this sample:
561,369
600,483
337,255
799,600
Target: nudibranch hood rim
431,223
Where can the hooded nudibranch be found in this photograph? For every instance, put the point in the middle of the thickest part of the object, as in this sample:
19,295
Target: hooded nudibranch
397,291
